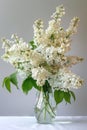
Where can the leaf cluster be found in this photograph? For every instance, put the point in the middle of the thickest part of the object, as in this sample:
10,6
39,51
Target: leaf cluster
60,95
12,79
27,84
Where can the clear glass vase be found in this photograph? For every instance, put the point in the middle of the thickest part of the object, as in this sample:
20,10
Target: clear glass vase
45,110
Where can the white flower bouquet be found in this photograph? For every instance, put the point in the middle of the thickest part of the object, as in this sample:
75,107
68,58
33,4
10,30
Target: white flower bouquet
43,63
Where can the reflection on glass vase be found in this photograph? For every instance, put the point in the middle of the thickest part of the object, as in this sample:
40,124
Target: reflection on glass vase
45,110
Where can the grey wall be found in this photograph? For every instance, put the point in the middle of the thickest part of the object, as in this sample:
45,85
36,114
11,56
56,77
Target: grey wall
18,16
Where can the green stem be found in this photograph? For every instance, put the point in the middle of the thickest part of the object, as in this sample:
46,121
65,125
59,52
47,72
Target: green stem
40,113
51,109
47,104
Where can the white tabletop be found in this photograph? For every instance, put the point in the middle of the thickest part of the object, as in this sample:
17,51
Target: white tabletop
29,123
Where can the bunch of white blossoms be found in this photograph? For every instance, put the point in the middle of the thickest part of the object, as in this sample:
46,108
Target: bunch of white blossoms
45,59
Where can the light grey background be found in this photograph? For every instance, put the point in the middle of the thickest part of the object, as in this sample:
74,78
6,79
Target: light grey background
18,16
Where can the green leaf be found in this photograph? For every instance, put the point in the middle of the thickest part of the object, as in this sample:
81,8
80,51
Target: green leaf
52,37
67,97
73,95
37,87
6,83
27,85
47,88
13,79
34,84
58,96
32,44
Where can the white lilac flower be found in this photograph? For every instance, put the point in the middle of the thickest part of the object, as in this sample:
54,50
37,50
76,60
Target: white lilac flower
24,69
40,74
41,49
17,52
72,60
65,79
53,57
53,27
60,11
73,27
36,58
48,60
6,44
38,31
